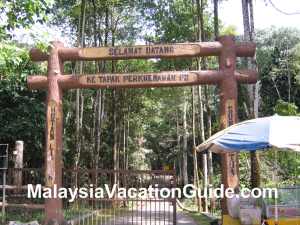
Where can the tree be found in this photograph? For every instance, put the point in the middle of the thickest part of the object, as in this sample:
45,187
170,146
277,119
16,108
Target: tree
216,18
20,14
248,20
22,111
200,5
278,67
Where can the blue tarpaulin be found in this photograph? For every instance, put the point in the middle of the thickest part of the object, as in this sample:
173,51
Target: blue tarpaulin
257,134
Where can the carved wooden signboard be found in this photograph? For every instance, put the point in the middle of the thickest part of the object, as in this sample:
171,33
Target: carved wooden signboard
142,51
136,79
139,51
139,80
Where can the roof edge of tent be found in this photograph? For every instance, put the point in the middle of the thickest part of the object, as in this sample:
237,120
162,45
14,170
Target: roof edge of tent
210,143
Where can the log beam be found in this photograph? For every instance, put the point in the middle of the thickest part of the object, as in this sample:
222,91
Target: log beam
141,80
243,49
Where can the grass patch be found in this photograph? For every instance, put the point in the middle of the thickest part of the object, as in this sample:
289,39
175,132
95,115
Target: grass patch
22,215
200,218
99,216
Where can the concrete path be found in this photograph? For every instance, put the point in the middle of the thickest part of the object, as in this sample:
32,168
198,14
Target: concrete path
154,213
183,219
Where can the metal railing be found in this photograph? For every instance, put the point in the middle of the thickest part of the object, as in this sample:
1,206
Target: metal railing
120,210
92,210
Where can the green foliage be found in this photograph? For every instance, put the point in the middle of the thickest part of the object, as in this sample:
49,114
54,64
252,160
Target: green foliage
295,52
22,215
22,111
281,166
286,109
16,14
278,66
44,47
11,57
229,30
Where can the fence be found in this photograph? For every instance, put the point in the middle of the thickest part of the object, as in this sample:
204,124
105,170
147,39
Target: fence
100,209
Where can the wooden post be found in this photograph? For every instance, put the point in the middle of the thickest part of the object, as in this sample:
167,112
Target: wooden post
18,163
54,126
228,112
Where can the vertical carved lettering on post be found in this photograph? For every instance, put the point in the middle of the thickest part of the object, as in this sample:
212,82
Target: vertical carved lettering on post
232,164
230,106
230,119
51,145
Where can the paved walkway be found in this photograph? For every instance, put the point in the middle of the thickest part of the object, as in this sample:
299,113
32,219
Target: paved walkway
154,213
183,219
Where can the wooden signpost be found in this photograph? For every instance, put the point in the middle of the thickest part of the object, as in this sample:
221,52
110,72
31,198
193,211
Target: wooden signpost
55,83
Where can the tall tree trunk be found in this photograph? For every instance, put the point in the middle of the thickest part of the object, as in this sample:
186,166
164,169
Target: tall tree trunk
248,20
115,110
127,140
185,139
204,155
179,156
98,100
115,130
216,18
194,152
251,17
201,37
78,114
195,160
125,122
209,154
208,109
124,142
101,93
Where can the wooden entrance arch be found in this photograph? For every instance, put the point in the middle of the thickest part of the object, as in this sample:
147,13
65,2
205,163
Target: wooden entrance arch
227,78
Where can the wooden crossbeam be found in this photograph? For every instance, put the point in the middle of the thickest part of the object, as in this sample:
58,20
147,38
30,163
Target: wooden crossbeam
142,80
244,49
